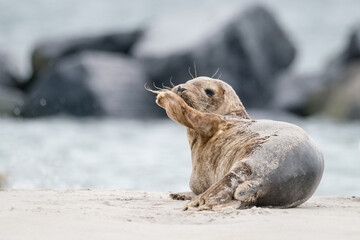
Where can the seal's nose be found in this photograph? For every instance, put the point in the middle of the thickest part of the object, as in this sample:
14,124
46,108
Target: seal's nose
180,89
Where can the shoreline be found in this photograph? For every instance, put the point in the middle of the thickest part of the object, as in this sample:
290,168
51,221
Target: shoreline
128,214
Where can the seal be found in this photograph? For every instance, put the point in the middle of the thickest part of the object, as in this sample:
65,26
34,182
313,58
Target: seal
237,161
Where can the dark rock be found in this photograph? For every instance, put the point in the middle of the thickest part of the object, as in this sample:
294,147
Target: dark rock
3,180
293,91
11,98
249,48
335,68
331,91
9,72
49,52
342,99
352,50
338,95
91,84
11,101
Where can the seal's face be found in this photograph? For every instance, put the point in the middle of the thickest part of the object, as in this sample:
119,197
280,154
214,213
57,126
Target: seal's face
209,96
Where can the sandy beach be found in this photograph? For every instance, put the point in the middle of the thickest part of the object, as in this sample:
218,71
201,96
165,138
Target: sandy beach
125,214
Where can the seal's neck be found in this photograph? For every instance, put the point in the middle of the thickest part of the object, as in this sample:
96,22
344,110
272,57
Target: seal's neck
239,111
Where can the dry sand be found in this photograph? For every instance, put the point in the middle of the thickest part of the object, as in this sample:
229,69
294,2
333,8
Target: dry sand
123,214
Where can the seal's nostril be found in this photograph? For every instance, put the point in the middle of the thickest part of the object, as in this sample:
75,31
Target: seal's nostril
180,89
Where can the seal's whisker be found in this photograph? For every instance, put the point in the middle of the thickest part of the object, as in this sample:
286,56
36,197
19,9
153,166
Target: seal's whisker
195,69
153,91
157,87
189,70
215,73
149,89
171,82
165,87
159,90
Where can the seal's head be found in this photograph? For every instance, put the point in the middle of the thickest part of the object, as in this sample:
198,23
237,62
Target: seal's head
211,96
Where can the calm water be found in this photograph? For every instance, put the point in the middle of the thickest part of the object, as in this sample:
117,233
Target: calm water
153,155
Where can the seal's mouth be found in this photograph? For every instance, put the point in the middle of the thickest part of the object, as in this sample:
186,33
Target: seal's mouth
187,99
183,92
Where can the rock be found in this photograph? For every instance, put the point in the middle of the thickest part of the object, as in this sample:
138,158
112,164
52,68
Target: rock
9,72
3,180
334,70
249,48
49,52
338,95
342,100
293,91
331,91
91,84
11,101
11,98
352,50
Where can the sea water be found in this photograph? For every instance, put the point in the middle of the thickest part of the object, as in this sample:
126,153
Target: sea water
145,155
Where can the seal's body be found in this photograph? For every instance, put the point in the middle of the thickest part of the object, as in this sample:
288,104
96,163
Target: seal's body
237,161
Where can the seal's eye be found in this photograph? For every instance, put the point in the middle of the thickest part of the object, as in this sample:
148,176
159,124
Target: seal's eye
209,92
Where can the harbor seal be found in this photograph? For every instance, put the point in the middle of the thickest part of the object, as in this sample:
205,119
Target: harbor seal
237,161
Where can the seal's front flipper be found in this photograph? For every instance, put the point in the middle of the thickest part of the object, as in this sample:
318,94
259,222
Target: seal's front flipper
206,124
182,196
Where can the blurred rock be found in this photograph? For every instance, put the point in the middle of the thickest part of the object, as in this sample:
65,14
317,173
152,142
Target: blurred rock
351,53
11,101
91,83
250,49
293,91
9,72
339,97
49,52
343,98
352,50
2,180
333,91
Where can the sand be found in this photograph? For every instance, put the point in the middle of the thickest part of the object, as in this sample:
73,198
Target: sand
125,214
